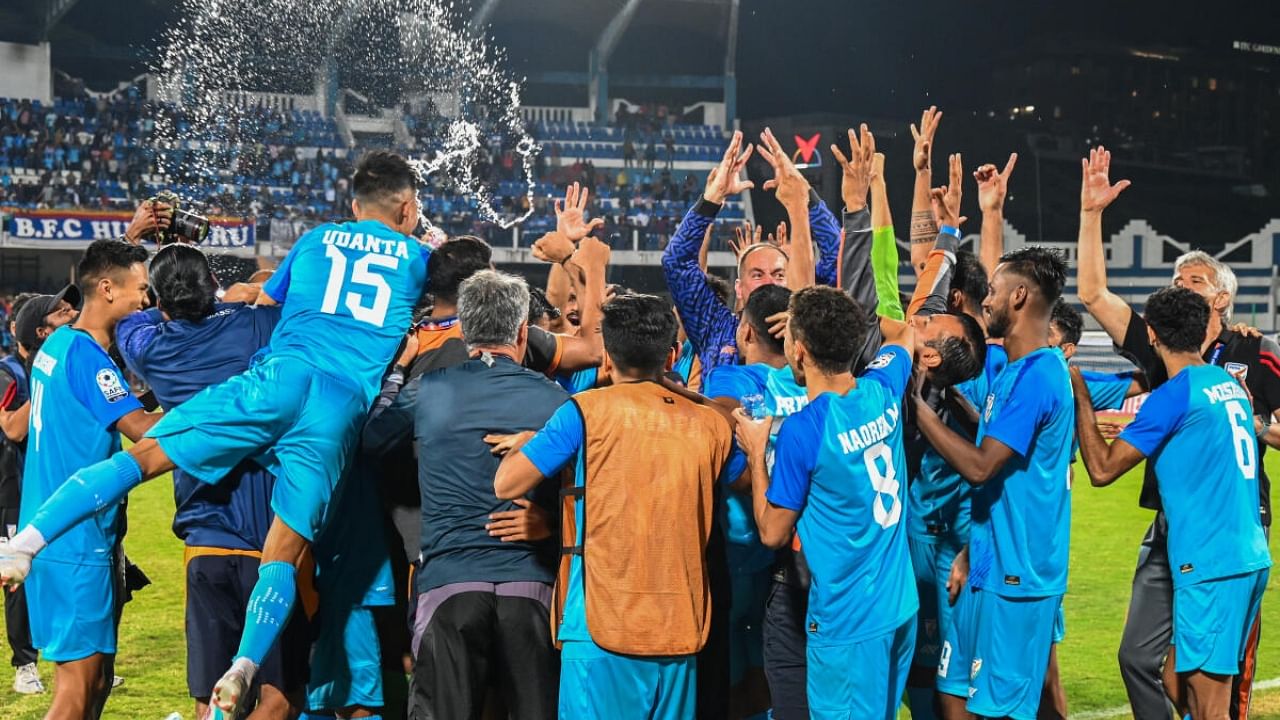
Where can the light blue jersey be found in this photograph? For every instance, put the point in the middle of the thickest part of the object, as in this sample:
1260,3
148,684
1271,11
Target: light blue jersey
1198,430
349,291
77,395
1108,390
782,397
1022,516
939,497
840,464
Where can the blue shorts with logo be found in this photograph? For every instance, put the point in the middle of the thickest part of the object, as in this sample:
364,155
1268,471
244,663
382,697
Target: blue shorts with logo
596,684
1212,621
71,609
296,421
997,652
861,680
931,558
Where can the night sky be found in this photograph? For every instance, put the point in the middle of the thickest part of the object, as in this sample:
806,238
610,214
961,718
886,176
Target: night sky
875,57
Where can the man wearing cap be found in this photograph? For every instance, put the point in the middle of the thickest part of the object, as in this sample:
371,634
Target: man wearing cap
13,420
42,314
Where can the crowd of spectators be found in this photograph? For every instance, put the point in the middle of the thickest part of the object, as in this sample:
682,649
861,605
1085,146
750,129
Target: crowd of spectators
292,166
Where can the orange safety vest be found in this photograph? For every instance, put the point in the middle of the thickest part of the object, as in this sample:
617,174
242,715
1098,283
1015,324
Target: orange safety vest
651,462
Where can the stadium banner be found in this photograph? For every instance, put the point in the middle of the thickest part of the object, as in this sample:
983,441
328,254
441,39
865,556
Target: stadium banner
70,229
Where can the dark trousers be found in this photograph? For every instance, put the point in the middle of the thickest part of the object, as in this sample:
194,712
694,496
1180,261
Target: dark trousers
475,640
785,659
1148,630
712,682
16,624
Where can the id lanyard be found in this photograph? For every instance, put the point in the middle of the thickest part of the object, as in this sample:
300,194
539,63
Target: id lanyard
1217,351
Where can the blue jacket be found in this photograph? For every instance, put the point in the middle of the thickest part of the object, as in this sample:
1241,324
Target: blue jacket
709,323
179,358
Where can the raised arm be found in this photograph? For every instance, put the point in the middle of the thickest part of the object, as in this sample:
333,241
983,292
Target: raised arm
923,226
934,280
884,246
993,186
1096,193
825,230
857,277
593,257
793,192
705,250
700,309
571,227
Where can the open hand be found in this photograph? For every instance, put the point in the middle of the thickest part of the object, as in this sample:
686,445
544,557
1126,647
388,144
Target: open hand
723,180
571,214
922,155
503,444
1096,190
792,189
529,523
858,168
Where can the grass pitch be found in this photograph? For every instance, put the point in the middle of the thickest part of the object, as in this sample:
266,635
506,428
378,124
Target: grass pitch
1107,526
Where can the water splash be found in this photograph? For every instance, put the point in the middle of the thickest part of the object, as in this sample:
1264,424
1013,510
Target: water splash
391,51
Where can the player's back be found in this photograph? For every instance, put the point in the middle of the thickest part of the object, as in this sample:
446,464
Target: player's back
349,291
852,524
1207,469
1022,515
179,358
65,435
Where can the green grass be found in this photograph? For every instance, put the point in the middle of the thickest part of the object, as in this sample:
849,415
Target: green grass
1107,527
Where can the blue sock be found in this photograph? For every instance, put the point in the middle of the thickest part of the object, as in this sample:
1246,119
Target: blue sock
86,492
269,606
921,702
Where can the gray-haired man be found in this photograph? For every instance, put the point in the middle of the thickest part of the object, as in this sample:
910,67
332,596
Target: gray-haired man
486,578
1254,360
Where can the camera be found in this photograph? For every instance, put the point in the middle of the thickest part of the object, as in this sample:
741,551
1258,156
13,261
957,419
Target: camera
186,226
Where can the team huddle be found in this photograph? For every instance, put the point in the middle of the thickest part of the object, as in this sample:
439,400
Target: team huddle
799,495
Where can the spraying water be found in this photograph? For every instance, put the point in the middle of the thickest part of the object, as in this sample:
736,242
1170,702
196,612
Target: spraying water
390,51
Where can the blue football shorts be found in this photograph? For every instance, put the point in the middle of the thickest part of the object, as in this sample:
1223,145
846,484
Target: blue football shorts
596,684
861,680
997,652
1212,620
71,609
296,421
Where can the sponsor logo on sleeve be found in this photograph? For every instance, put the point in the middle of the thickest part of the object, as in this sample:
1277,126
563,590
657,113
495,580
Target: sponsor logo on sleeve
881,361
44,363
110,386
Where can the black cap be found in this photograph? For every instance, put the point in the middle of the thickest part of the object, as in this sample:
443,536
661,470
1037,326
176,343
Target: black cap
32,315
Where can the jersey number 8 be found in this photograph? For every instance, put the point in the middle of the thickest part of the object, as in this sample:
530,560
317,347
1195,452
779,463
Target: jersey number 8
884,483
362,277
